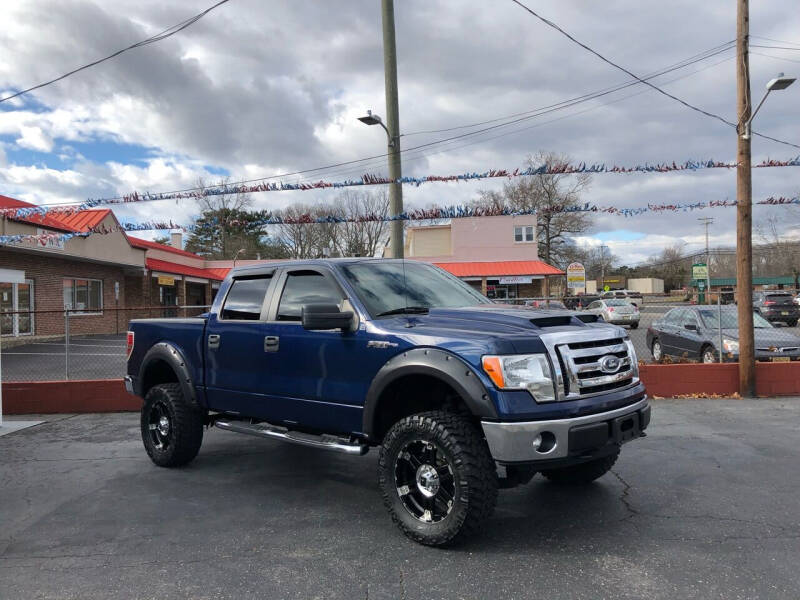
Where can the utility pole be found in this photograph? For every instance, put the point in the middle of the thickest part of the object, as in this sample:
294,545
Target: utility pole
393,126
744,206
707,221
602,269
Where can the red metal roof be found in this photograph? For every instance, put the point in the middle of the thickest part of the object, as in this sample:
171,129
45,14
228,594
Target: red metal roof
148,245
44,220
169,267
499,268
84,220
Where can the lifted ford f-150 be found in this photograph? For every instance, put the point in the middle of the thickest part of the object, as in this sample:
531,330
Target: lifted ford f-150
463,396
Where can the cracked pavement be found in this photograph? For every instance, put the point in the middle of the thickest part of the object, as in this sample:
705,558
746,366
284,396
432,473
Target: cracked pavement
705,507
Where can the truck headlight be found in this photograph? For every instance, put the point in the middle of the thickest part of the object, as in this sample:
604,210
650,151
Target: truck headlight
730,346
522,372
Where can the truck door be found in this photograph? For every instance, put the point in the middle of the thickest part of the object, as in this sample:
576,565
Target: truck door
321,377
237,348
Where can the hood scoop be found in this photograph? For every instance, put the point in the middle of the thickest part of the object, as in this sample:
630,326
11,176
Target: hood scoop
562,320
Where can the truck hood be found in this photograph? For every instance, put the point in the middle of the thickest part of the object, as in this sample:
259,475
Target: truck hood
498,327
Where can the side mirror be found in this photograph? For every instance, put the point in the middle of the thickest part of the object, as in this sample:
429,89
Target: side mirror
320,317
691,326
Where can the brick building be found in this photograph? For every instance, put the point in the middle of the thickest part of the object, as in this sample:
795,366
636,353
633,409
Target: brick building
101,280
496,255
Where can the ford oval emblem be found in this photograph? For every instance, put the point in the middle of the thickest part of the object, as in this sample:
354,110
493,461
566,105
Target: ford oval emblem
609,364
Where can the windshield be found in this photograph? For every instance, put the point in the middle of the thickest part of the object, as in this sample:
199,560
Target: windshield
730,319
779,298
388,286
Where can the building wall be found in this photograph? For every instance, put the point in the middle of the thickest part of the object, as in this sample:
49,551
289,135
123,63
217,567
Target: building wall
48,275
481,239
646,285
429,241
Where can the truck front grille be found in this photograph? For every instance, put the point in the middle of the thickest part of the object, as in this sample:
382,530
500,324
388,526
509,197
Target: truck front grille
592,366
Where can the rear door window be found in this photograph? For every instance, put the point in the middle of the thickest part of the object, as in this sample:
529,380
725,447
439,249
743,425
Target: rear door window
246,298
306,287
779,298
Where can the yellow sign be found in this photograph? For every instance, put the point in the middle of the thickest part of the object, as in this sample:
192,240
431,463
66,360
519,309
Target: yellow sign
164,280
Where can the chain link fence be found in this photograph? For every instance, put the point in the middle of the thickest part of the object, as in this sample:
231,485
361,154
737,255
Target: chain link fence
72,345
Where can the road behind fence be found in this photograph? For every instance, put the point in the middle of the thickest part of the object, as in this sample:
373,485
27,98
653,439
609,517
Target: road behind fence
72,345
77,345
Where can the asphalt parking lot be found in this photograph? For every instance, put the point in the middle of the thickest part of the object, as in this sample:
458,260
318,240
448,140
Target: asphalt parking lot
705,507
90,357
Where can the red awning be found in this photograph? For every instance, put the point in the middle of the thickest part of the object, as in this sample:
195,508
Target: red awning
500,268
169,267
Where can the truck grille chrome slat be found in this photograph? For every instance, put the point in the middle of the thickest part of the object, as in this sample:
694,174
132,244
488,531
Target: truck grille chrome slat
591,366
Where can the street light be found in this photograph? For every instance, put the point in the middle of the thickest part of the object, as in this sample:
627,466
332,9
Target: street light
395,170
779,83
372,119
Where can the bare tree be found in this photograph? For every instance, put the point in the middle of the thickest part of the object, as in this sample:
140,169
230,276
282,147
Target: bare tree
362,238
551,196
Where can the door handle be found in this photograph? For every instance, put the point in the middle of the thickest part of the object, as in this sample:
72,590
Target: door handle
213,341
271,343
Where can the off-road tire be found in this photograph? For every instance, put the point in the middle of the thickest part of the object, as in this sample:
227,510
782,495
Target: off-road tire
474,476
185,426
634,326
583,473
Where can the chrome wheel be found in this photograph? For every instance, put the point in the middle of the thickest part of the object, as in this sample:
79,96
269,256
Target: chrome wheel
709,356
657,355
160,426
424,481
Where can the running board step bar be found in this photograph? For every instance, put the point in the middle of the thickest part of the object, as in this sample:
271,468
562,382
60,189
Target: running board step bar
323,442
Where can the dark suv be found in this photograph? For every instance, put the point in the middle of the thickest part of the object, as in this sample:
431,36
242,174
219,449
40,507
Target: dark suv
776,307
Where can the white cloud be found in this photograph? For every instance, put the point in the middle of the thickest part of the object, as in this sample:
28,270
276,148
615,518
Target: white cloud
34,138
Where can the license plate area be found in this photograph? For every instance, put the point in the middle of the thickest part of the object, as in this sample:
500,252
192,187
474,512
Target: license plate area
627,428
781,359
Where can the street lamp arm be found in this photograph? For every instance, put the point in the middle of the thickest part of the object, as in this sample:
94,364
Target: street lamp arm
746,134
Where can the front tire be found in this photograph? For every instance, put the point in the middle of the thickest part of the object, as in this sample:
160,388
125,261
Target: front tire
634,325
708,355
583,473
172,430
437,477
656,350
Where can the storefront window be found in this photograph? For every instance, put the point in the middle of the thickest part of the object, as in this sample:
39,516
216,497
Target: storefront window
83,294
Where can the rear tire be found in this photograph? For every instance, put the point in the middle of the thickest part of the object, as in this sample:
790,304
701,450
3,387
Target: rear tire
437,477
634,325
792,323
172,430
583,473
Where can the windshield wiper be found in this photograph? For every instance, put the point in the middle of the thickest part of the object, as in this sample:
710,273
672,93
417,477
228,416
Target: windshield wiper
403,310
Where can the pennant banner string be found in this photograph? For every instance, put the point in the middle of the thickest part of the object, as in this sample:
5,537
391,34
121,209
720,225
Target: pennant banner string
367,179
423,214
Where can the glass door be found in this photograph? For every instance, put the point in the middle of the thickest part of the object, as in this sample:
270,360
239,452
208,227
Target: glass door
25,303
16,308
6,307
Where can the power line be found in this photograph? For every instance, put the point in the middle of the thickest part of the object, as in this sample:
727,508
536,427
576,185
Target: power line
170,31
776,57
775,47
760,37
655,87
711,52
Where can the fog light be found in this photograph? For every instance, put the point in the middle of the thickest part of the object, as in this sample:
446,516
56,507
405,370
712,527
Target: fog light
545,442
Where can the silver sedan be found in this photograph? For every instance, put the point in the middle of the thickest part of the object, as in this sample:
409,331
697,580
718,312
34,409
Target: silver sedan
616,311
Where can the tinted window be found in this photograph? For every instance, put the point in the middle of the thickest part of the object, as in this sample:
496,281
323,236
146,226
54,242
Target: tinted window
306,287
779,298
619,294
245,299
385,286
593,305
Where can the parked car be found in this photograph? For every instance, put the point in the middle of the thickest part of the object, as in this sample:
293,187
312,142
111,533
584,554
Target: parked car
797,299
694,333
616,311
579,302
635,298
350,354
776,307
548,304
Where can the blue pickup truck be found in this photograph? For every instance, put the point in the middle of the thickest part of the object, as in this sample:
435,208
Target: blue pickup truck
463,396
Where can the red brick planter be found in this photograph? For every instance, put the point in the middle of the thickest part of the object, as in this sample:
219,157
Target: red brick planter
42,397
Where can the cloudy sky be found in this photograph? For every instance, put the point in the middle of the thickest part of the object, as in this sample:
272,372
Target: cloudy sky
260,87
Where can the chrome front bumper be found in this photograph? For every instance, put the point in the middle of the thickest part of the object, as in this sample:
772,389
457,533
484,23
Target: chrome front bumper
514,442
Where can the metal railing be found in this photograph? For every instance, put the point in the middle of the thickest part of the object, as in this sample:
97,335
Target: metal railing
57,345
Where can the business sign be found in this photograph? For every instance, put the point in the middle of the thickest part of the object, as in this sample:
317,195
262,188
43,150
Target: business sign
515,279
699,271
576,276
164,280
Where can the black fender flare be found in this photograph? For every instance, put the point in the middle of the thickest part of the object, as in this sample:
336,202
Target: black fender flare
440,364
168,353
